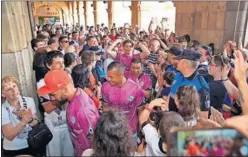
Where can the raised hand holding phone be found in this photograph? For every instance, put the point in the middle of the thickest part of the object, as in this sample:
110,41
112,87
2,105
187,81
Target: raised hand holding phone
217,116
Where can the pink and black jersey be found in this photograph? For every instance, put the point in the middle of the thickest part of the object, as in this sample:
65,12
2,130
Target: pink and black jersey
126,59
82,116
125,99
144,80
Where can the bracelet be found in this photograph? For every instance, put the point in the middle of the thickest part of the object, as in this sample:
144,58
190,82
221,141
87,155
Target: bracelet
149,109
226,79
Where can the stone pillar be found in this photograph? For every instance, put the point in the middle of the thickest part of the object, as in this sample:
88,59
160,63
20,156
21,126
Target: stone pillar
95,12
61,16
110,13
86,12
64,17
75,13
212,22
81,19
17,55
136,13
70,13
236,21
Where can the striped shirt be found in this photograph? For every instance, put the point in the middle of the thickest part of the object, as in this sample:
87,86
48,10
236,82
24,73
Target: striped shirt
153,58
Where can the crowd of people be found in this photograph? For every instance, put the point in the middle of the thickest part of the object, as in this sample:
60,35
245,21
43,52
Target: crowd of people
118,91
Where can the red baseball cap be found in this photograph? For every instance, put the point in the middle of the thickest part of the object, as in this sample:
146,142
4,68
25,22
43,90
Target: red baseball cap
54,80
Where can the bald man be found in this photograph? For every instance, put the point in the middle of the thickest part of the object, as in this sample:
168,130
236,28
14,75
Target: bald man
153,59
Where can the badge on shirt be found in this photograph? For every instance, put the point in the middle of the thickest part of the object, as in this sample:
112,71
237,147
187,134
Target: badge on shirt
73,120
130,98
141,83
174,82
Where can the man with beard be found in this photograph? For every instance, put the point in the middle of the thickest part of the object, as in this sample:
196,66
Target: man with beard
81,111
55,115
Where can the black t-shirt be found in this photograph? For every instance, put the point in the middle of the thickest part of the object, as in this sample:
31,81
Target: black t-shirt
203,71
217,94
40,73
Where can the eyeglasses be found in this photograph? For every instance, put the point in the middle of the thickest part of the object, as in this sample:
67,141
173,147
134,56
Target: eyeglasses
65,41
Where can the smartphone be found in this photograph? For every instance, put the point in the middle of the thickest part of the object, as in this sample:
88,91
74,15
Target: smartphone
211,142
213,111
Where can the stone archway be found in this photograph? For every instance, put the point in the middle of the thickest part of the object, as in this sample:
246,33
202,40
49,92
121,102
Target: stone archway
48,14
61,7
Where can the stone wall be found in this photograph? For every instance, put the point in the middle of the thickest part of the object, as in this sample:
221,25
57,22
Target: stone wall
210,21
236,21
17,55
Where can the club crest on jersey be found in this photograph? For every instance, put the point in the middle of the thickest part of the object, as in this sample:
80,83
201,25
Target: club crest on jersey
73,120
141,83
130,98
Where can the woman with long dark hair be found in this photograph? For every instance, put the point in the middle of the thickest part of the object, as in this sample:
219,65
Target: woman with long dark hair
188,103
112,136
80,75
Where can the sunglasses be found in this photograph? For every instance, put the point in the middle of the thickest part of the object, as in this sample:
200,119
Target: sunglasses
65,41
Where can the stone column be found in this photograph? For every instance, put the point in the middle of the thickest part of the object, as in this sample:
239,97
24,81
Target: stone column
236,21
70,13
61,20
75,12
81,19
86,12
110,13
136,13
17,55
95,12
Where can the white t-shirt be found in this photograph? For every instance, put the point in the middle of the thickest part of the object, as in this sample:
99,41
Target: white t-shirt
55,119
152,139
8,116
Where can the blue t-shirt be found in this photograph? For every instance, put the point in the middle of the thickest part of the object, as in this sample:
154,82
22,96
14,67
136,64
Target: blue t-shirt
165,91
171,68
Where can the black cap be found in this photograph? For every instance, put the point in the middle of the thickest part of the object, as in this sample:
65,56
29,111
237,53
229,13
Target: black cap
189,55
97,50
208,49
175,50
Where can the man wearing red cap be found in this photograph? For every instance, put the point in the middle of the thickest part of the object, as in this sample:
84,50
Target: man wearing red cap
81,111
55,115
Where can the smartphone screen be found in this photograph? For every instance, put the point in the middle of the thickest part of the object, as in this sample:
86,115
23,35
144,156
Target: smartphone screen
216,142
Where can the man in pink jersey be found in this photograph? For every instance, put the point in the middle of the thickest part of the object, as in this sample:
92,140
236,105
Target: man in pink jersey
122,94
137,75
81,111
125,57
